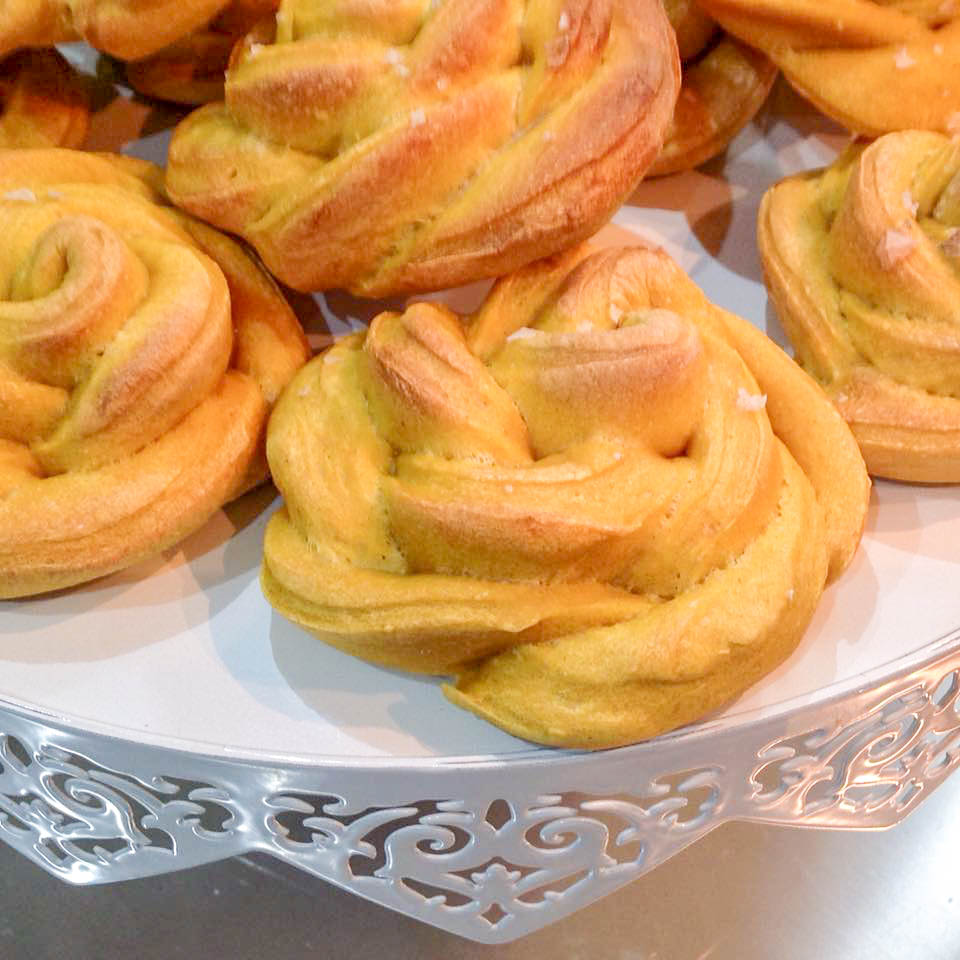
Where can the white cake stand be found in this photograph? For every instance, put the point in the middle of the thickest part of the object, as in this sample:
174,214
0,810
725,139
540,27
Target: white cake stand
165,717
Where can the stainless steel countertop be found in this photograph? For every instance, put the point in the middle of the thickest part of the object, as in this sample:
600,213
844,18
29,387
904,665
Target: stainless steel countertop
744,892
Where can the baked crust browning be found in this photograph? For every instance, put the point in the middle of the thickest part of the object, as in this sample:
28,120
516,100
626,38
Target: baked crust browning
42,101
127,29
579,502
388,147
725,82
873,65
140,352
862,261
192,69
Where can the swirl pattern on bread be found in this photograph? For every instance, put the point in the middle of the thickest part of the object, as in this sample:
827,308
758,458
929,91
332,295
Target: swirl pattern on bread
725,82
127,29
606,505
387,146
42,101
873,65
140,352
862,260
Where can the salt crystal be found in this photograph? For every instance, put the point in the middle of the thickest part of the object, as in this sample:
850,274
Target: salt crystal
563,24
22,193
304,391
615,314
951,246
418,117
910,203
524,333
331,358
254,49
618,455
897,245
508,487
584,326
393,56
902,59
790,594
750,401
842,398
938,49
442,83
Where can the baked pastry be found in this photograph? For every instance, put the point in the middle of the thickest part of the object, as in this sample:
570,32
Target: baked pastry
873,65
388,146
862,261
725,83
192,69
127,29
140,352
42,101
605,505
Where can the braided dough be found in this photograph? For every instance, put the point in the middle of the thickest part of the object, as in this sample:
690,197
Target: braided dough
725,83
389,146
140,352
192,69
579,503
127,29
863,264
873,65
42,101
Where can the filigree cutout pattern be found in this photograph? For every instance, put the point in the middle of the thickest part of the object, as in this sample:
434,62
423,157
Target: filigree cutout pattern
501,859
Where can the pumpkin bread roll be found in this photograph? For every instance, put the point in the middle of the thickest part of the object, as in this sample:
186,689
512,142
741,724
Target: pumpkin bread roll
387,146
192,69
873,65
862,261
604,504
127,29
42,101
725,83
140,352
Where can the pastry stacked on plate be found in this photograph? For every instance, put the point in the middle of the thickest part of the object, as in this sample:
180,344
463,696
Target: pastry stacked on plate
601,504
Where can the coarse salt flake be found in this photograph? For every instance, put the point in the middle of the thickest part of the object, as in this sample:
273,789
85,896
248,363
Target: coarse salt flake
508,487
22,193
910,203
938,49
563,24
331,358
304,391
750,401
393,56
902,59
615,314
897,245
442,83
790,595
951,246
418,117
524,333
254,49
618,455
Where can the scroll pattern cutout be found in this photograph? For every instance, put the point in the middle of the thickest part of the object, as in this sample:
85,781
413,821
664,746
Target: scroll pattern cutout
502,859
873,769
79,819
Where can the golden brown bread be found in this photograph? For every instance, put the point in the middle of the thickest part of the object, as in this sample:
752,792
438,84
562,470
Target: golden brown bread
192,69
140,352
606,505
873,65
385,146
725,82
862,261
42,101
128,29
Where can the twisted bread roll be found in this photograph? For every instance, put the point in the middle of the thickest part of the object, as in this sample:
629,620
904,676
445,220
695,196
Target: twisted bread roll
873,65
125,28
578,503
724,84
192,69
42,102
139,354
863,264
385,146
